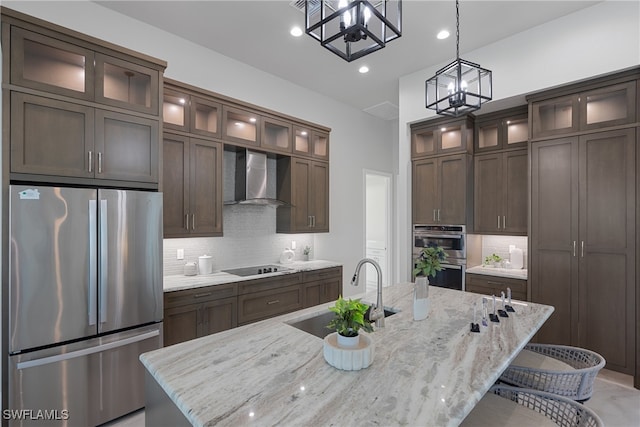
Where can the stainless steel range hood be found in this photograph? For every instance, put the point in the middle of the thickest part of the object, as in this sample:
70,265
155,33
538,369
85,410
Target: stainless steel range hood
251,180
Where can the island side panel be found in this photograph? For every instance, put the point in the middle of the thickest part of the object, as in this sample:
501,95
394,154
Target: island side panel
160,410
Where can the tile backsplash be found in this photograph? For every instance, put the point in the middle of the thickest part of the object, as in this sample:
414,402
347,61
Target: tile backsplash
500,246
249,239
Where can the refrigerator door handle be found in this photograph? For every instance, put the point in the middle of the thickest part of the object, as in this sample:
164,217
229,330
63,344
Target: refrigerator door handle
104,260
86,351
93,265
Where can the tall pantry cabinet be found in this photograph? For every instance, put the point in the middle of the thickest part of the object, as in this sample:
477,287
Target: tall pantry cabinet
583,216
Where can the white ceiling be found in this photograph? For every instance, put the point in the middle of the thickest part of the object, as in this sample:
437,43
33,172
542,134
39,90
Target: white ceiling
257,33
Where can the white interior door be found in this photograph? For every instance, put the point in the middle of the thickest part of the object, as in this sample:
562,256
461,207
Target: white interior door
377,226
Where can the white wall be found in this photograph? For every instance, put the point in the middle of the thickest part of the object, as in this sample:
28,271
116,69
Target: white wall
594,41
358,140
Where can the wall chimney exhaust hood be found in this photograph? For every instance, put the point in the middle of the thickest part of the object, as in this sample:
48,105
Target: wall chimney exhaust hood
251,180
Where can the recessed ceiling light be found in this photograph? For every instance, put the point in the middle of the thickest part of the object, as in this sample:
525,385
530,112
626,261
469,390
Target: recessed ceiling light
364,69
296,31
443,35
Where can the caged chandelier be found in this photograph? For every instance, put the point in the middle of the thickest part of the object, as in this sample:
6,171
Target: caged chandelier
460,87
353,28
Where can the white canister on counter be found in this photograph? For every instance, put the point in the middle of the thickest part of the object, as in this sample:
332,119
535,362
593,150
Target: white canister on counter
205,264
516,256
190,269
287,256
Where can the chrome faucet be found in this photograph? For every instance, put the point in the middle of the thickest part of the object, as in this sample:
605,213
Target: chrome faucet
377,313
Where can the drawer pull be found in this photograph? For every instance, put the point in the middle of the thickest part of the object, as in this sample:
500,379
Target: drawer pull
273,302
206,294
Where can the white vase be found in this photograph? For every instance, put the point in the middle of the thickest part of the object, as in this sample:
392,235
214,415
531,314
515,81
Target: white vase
421,298
348,342
348,358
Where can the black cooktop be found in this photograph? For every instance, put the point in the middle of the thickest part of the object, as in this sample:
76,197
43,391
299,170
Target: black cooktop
259,269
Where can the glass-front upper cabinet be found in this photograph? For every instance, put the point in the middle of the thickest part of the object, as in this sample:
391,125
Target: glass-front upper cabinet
593,109
175,110
441,137
205,117
126,85
276,135
241,126
51,65
505,129
311,143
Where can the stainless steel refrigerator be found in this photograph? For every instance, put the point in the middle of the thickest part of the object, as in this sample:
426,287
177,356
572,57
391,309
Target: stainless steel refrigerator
85,300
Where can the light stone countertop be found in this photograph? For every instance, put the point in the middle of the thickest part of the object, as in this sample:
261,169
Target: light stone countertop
181,282
499,272
426,373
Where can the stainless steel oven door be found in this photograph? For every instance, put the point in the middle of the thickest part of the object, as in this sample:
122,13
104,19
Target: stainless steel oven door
449,238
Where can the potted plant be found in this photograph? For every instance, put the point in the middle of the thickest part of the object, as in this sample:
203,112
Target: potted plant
493,260
348,320
306,251
429,260
427,264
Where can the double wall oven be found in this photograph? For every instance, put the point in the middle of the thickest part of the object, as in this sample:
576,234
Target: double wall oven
452,238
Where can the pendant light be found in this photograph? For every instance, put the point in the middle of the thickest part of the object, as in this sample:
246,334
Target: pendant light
353,28
460,87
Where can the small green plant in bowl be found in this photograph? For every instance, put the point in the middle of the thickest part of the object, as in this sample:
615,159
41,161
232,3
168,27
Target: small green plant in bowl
349,317
493,260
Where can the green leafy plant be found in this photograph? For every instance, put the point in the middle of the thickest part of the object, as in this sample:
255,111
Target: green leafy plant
428,263
306,250
492,259
349,317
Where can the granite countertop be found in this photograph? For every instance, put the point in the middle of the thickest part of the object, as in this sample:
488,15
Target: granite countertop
181,282
431,372
500,272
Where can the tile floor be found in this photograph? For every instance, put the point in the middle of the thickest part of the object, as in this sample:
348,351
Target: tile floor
614,400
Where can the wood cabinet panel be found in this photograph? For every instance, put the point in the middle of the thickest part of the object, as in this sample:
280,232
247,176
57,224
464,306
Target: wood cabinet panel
583,241
127,147
304,184
441,190
51,137
321,286
494,285
219,315
241,126
261,305
502,130
440,137
501,192
180,324
192,186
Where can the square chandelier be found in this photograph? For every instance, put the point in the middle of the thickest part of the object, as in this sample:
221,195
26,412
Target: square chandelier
353,28
460,87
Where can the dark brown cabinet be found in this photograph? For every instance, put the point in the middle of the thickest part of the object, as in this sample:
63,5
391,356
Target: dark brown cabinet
502,130
321,286
441,190
439,137
194,313
241,126
276,135
310,143
190,113
192,186
583,219
80,109
51,65
64,139
304,184
501,192
495,285
590,109
263,298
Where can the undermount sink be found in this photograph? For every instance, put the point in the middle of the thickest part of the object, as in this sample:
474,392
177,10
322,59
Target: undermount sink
317,325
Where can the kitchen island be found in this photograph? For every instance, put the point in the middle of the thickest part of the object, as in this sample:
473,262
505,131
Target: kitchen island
430,372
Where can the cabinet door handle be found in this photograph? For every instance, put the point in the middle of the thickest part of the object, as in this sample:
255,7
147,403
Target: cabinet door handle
582,248
504,222
273,302
206,294
193,221
498,222
90,161
438,215
99,162
574,248
186,221
314,221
